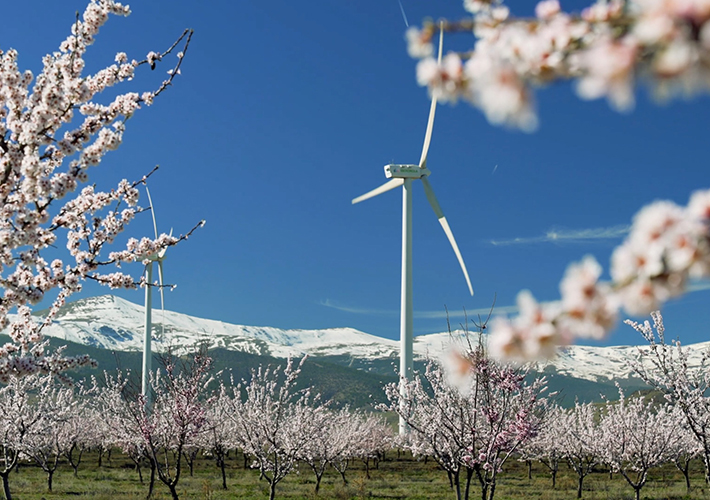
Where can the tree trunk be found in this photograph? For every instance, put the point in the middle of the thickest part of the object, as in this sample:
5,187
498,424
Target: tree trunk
456,482
529,462
579,486
554,478
272,490
6,485
50,475
492,489
173,490
220,463
151,484
469,475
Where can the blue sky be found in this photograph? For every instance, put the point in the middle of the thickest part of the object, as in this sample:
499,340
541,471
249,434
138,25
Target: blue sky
285,111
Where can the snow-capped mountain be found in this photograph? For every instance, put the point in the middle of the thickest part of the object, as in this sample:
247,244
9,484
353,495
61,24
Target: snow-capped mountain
113,323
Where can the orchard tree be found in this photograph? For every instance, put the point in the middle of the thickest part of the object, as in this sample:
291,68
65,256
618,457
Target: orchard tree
684,449
440,421
48,445
218,436
177,415
53,131
636,436
546,447
333,441
605,50
27,415
476,428
374,438
666,367
82,431
114,402
349,438
274,421
579,438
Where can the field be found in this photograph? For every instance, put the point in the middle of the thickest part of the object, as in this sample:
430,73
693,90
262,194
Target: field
396,478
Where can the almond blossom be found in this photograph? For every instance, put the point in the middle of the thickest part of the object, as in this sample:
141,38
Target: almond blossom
606,49
52,132
666,247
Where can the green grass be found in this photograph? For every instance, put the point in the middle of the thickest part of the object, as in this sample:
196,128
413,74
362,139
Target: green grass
402,478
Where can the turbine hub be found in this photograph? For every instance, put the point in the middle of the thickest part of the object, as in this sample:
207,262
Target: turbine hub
405,171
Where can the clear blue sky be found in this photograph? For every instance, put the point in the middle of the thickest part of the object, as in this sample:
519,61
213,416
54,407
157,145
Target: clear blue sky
285,111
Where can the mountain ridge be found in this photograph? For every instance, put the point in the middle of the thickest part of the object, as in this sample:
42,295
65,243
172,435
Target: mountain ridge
113,323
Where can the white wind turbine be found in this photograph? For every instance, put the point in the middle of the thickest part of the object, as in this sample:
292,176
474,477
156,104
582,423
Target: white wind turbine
147,338
403,175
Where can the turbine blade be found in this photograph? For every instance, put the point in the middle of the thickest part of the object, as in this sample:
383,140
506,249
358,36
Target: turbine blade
390,184
432,110
445,226
162,299
161,254
152,211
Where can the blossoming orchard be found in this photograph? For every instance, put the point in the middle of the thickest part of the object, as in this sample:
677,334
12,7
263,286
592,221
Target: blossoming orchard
471,422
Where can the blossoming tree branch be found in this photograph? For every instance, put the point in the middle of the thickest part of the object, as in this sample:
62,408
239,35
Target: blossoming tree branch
52,132
605,50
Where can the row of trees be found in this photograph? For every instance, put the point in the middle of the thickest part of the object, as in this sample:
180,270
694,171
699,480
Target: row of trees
496,411
629,436
275,425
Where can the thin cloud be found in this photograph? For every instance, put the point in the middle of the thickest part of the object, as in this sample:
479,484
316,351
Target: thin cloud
698,286
563,235
440,314
695,286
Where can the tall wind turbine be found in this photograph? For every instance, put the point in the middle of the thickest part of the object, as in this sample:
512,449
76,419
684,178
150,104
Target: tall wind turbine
403,175
147,338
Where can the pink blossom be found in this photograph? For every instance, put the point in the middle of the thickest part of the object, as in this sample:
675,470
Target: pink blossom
608,69
546,9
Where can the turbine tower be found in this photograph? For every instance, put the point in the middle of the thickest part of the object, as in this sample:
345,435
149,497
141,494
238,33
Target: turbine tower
147,338
403,175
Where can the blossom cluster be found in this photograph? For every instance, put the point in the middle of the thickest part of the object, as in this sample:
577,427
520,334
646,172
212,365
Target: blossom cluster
605,49
668,245
51,133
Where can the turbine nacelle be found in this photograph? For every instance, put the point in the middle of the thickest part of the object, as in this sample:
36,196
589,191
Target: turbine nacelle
405,171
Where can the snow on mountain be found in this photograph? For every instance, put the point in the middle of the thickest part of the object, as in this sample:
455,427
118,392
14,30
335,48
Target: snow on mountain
114,323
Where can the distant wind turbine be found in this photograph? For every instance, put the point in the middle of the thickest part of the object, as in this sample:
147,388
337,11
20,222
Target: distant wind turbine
147,339
403,175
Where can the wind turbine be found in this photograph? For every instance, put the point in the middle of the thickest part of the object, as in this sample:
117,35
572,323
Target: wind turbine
147,338
403,175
